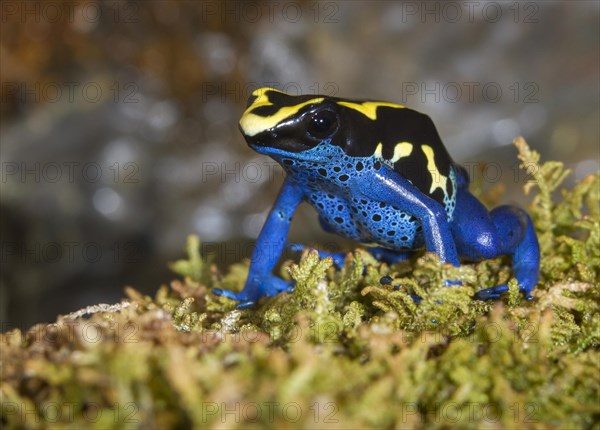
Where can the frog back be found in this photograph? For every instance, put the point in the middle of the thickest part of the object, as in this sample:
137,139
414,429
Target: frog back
408,142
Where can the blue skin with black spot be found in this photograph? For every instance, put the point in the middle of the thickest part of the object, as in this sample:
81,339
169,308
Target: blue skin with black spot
366,200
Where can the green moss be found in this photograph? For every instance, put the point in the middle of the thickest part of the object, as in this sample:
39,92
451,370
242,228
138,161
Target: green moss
194,267
342,351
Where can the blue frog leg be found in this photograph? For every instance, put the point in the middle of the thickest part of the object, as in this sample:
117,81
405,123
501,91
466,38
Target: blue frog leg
339,258
388,256
506,230
269,246
390,187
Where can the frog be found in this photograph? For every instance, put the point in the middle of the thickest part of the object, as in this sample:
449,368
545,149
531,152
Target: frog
377,173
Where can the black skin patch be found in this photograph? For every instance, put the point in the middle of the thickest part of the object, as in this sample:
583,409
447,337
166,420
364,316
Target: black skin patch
438,195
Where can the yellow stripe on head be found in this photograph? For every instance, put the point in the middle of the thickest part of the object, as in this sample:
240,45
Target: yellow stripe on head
252,124
262,99
369,109
437,179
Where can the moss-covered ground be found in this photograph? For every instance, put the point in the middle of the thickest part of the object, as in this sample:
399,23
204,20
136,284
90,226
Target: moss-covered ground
342,351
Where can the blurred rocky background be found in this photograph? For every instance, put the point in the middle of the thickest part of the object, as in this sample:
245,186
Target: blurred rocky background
119,119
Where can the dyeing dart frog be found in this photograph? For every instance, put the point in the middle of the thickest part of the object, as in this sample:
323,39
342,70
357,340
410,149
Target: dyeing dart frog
377,173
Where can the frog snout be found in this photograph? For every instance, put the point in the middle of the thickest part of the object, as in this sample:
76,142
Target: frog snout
260,139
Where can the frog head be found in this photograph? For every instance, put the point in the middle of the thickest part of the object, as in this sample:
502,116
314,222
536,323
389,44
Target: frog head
276,122
319,129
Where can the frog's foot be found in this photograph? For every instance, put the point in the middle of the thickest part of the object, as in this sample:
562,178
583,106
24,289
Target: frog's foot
491,293
245,301
495,292
256,288
337,257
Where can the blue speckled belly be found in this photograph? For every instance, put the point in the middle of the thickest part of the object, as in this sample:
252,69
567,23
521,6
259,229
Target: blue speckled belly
368,221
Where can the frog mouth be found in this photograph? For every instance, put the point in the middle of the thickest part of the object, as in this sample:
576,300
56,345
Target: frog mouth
284,145
274,140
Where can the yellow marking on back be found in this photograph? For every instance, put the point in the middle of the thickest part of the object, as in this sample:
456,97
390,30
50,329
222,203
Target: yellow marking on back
369,109
437,179
253,124
378,151
402,149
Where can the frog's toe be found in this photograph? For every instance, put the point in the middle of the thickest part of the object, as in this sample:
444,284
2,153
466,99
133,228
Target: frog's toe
255,289
244,301
295,247
338,258
246,304
416,299
496,292
278,285
491,293
229,294
386,280
452,283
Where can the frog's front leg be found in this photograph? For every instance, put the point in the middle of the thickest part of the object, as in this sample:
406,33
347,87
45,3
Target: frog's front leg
505,230
393,189
269,246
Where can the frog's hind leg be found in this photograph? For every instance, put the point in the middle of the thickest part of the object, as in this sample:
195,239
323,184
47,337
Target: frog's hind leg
388,256
337,257
517,238
381,254
506,230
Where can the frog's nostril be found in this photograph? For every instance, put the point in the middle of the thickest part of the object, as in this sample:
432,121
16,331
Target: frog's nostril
251,100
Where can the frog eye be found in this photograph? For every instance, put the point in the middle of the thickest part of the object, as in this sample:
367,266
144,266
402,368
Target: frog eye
322,124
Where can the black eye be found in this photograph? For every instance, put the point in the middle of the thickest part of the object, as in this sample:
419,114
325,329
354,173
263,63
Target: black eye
322,124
